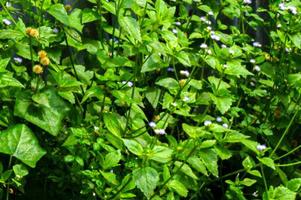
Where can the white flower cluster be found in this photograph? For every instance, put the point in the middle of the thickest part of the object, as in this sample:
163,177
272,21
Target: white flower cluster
261,147
129,83
256,44
184,73
157,131
292,9
247,1
6,22
203,19
214,36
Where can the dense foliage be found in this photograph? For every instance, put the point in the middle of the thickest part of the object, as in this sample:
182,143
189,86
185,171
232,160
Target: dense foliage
150,99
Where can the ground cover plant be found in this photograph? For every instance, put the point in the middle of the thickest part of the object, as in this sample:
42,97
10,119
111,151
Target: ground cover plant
150,99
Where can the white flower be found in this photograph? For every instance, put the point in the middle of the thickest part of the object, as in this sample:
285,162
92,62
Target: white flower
219,119
210,13
18,60
94,194
282,6
178,23
55,30
279,25
6,22
204,46
223,46
96,128
255,194
215,37
175,31
261,147
252,83
288,49
160,131
174,104
231,51
208,51
152,124
247,1
253,61
209,28
184,73
225,125
256,44
225,66
129,83
8,4
203,19
208,22
186,98
170,69
293,9
207,122
256,68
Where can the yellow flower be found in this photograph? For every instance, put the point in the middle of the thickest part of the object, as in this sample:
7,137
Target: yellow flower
45,61
32,32
38,69
68,7
42,54
182,82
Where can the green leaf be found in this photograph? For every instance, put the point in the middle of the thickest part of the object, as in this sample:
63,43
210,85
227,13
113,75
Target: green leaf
235,68
168,83
7,80
185,169
268,162
197,164
153,96
280,193
111,159
20,170
209,158
178,187
146,180
112,124
47,110
247,182
94,91
11,34
58,12
183,58
294,184
223,104
134,147
131,26
20,142
110,177
160,154
193,131
89,15
296,39
3,63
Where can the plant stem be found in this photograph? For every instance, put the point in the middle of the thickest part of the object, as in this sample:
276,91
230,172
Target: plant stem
7,185
289,164
264,180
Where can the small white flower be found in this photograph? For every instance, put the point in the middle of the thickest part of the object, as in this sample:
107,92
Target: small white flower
282,6
96,128
231,51
18,60
293,9
184,73
94,194
178,23
208,51
112,171
8,4
186,98
174,104
55,30
170,69
209,28
203,19
261,147
256,44
223,46
160,131
6,22
255,194
130,84
225,125
247,1
256,68
219,119
288,49
210,13
204,46
152,124
207,122
225,66
279,25
208,22
175,31
252,84
215,37
253,61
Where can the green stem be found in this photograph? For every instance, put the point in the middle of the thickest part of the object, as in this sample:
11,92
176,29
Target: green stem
264,180
289,164
288,153
7,185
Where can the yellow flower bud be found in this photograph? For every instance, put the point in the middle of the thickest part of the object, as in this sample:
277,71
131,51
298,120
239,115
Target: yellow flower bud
156,118
182,82
45,61
38,69
68,7
32,32
42,54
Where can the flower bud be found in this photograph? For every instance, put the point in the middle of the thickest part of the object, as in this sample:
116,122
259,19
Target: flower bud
38,69
42,54
32,32
45,61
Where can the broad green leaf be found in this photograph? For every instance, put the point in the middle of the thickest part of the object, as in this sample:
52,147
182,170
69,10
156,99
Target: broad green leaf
280,193
183,58
168,83
247,182
131,26
160,154
133,146
111,159
153,96
223,104
209,158
94,91
45,109
197,164
268,162
89,15
185,169
58,12
294,184
11,34
193,131
296,39
20,170
110,177
146,180
112,123
7,80
235,68
20,142
248,163
178,187
3,63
